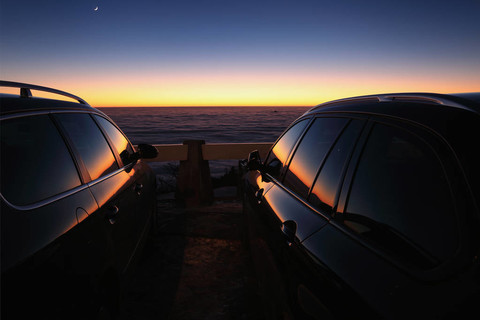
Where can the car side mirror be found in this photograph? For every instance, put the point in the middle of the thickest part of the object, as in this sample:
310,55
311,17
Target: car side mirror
147,151
254,161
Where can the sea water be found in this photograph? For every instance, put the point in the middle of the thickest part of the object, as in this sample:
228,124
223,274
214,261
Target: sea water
173,125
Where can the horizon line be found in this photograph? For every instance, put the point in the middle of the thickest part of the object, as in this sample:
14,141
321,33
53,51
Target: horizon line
206,106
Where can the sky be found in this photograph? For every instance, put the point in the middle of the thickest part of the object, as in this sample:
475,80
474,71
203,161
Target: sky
240,53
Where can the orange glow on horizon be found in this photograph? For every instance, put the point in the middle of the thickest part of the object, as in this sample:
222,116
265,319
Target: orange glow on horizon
245,87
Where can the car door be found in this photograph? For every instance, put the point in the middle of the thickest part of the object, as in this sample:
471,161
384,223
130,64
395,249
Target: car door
284,202
112,187
257,185
283,211
143,179
259,182
321,155
396,229
43,199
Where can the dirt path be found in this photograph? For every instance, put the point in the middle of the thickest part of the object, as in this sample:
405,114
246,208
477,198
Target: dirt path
196,267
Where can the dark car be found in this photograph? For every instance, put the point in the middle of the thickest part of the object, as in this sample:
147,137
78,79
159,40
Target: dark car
369,206
77,202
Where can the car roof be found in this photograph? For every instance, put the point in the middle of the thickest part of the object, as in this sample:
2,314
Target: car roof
26,102
16,104
474,96
433,110
465,101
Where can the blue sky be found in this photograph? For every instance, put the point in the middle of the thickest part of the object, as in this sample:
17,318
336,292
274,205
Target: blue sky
210,52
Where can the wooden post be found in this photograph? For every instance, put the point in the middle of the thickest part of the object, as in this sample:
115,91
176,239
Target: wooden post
194,184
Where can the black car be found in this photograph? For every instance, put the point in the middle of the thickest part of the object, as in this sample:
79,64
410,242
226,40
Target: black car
77,203
369,206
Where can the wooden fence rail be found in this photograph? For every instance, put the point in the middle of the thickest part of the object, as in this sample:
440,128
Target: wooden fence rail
211,151
194,185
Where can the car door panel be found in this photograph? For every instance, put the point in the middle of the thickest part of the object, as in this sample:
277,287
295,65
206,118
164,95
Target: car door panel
290,221
289,205
267,213
283,206
145,188
143,180
368,279
282,209
58,251
117,201
41,226
373,280
113,188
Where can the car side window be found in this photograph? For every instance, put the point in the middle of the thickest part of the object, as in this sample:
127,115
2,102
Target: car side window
311,152
280,152
89,142
400,198
36,163
120,143
330,177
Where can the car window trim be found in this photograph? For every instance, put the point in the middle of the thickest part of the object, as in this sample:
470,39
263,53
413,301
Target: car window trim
110,142
351,168
346,165
105,177
279,183
80,165
75,160
294,150
107,140
46,201
84,176
349,118
65,194
282,171
318,211
62,195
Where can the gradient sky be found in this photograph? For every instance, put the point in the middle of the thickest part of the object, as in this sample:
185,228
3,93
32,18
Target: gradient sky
224,52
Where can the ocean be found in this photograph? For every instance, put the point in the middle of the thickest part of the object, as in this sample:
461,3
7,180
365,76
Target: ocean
173,125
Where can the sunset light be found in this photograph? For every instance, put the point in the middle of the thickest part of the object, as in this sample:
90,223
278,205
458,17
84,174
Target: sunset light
249,53
239,159
248,88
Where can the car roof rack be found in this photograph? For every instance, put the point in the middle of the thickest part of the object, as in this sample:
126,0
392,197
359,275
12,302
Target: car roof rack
433,98
26,93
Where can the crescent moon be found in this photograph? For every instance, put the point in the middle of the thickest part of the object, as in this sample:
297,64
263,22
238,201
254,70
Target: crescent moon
96,8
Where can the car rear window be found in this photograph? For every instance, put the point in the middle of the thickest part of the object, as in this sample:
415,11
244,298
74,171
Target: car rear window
35,161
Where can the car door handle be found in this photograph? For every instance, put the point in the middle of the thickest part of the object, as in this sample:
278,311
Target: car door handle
138,188
112,214
289,230
259,195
